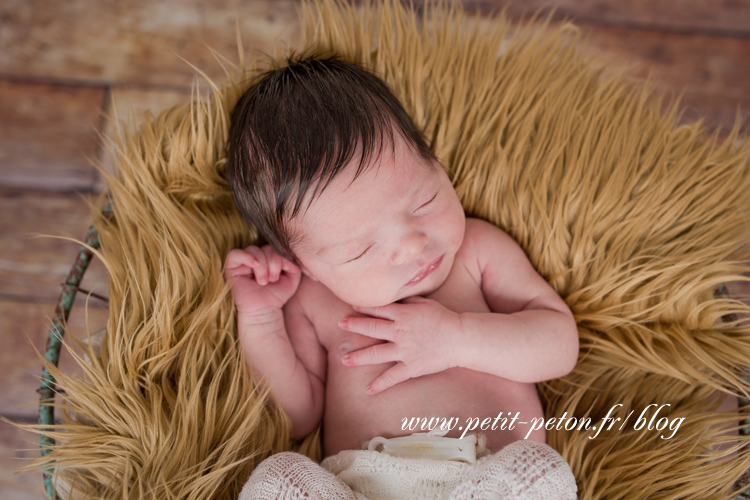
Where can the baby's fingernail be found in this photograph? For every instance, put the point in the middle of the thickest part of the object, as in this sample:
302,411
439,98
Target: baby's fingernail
346,359
369,389
343,323
345,349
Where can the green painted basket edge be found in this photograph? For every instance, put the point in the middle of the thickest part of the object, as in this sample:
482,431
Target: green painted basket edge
47,387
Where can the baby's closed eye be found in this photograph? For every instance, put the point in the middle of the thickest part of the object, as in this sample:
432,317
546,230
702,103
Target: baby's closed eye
361,255
428,202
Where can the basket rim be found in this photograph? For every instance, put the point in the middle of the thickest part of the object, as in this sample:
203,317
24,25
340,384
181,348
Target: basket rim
48,388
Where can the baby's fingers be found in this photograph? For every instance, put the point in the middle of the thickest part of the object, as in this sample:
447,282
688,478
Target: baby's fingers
392,376
239,263
290,267
260,268
274,263
292,271
371,327
374,355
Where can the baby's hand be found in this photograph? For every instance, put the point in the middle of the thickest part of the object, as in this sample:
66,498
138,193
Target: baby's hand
422,337
263,280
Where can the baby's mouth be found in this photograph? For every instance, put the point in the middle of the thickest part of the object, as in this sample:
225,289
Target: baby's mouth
426,271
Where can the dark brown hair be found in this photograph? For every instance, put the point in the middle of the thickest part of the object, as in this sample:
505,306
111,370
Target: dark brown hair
299,125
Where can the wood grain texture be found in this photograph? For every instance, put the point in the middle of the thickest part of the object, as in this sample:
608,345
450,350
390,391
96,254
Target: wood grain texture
18,448
719,16
25,326
135,42
711,72
32,268
142,41
47,132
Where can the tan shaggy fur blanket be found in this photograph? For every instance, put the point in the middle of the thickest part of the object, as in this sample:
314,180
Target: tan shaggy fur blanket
633,218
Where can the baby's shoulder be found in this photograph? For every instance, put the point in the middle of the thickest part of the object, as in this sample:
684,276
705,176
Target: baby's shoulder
481,236
486,246
479,226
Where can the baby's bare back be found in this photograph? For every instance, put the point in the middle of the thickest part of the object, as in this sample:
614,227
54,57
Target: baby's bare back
468,397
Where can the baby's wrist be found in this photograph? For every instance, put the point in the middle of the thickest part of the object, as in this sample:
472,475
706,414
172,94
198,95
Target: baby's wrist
459,342
260,319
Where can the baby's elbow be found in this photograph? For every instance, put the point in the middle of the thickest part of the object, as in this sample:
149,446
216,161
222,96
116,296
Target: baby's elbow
300,432
302,427
310,416
564,336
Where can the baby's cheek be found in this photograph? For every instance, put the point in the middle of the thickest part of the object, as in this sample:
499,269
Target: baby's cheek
459,228
366,289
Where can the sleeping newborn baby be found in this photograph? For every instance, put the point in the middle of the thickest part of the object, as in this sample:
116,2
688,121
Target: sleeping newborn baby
378,305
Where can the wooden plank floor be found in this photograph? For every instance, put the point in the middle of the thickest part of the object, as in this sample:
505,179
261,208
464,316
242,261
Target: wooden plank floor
64,66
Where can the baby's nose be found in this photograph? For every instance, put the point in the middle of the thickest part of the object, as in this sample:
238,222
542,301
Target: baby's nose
412,245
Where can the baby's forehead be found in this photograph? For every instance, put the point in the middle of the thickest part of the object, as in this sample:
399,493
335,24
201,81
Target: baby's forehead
332,211
378,185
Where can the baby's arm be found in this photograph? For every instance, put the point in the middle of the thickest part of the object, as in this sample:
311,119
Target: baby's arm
312,356
270,326
531,335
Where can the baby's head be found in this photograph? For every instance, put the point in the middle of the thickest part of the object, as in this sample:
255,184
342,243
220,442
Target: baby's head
325,162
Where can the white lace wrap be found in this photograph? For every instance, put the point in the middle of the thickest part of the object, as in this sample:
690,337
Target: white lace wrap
522,470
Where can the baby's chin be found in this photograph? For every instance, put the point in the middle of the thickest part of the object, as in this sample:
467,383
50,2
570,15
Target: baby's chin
420,291
383,302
